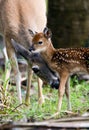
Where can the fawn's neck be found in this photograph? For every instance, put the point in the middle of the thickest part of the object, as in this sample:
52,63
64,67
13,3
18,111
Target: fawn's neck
48,52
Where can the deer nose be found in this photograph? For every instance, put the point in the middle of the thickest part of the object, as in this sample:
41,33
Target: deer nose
31,48
35,69
55,84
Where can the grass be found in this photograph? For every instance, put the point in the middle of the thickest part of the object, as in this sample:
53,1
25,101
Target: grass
13,111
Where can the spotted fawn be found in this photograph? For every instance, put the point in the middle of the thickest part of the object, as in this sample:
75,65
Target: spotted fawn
63,61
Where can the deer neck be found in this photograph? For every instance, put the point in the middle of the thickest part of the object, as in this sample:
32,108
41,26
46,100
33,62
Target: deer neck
48,54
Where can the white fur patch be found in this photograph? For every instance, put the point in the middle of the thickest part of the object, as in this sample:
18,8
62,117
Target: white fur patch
39,50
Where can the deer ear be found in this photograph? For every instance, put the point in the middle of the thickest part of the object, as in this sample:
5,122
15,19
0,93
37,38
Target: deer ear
31,32
47,33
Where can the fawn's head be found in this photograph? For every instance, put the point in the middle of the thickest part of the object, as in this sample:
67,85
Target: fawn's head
40,41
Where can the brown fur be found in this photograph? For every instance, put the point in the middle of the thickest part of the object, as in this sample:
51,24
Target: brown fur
64,61
16,17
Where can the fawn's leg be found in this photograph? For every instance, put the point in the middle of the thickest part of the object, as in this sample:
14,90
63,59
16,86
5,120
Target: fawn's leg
14,64
40,95
29,79
61,89
67,92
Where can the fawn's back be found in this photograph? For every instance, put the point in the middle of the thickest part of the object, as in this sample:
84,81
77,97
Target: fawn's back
72,59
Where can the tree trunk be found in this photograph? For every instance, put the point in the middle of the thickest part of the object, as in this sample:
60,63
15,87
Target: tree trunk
69,22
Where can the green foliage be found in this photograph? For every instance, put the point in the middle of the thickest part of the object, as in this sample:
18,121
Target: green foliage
13,111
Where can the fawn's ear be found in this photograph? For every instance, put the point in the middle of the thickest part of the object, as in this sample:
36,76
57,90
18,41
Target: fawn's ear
31,32
47,33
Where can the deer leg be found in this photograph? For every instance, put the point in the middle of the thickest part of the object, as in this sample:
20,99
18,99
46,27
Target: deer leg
67,92
7,70
40,95
61,92
29,79
14,65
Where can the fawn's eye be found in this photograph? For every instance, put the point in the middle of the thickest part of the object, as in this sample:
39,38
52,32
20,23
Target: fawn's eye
40,42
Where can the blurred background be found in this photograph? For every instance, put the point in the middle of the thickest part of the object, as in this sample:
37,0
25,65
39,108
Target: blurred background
69,22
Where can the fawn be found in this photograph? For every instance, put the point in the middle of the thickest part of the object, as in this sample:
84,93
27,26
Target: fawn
16,16
64,61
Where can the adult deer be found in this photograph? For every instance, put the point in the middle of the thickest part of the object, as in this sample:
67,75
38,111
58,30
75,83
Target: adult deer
16,16
64,61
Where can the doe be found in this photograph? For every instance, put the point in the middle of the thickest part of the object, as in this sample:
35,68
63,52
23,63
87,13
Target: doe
16,16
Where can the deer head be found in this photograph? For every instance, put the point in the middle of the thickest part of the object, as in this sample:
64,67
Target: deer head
41,41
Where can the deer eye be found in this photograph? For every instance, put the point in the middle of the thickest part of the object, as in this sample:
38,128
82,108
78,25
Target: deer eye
40,42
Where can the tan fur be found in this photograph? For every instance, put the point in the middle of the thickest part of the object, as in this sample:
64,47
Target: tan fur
16,17
64,61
